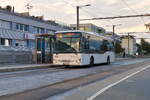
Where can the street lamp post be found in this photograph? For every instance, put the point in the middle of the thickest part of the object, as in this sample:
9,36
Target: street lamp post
78,17
113,34
78,7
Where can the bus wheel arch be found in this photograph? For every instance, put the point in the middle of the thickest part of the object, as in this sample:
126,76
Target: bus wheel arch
91,61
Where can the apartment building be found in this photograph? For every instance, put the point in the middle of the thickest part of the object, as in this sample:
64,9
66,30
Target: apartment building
19,29
129,44
89,27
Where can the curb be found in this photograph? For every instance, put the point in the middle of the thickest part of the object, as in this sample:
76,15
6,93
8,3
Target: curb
25,68
9,69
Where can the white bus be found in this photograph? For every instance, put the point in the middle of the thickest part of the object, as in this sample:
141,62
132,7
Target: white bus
82,48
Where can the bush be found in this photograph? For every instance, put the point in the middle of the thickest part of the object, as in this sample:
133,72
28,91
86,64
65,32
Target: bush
118,48
145,46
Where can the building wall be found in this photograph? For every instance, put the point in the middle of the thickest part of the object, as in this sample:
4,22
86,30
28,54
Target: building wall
89,28
132,46
27,21
19,29
18,32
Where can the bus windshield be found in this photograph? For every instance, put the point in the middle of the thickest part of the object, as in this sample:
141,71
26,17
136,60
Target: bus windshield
66,43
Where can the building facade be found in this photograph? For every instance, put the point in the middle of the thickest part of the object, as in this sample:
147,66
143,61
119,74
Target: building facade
116,37
129,44
148,26
19,29
18,35
89,28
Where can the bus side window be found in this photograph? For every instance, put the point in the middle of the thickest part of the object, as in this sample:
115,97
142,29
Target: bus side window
105,45
111,46
85,43
100,45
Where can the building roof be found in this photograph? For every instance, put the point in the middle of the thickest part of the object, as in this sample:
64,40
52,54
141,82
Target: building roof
33,18
83,24
147,24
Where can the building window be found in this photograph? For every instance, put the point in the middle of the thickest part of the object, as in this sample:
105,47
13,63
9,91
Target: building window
22,27
20,43
50,31
36,30
73,28
39,30
16,44
17,26
6,42
31,43
5,24
10,42
2,41
26,28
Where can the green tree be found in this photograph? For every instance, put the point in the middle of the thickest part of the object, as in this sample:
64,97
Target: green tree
139,49
118,48
145,46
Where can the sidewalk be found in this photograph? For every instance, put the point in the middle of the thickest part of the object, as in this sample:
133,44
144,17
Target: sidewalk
21,67
120,58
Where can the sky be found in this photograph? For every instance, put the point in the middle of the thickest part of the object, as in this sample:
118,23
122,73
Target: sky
65,11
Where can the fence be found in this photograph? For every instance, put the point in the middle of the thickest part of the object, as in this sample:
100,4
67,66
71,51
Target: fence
19,55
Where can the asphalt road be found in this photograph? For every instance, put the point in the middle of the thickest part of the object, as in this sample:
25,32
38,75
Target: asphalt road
57,69
134,88
28,83
84,92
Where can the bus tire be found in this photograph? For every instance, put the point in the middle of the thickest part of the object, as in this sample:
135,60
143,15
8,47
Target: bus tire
91,61
108,60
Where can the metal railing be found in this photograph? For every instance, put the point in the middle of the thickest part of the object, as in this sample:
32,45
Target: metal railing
15,48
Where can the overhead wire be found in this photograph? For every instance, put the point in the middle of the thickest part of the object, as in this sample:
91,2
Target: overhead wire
68,3
94,16
108,20
90,14
133,10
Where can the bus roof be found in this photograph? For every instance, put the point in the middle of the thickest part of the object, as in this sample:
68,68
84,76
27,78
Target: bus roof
90,33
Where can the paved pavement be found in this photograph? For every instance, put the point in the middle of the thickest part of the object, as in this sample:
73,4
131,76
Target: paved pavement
130,85
21,67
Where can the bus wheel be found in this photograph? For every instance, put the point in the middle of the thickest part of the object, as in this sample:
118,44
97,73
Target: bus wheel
108,60
91,61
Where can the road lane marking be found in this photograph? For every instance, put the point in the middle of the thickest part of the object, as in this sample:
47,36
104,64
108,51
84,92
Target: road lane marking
111,85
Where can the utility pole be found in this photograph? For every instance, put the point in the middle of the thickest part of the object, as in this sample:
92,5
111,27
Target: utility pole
78,7
128,44
78,17
114,26
113,35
